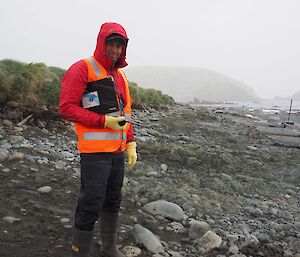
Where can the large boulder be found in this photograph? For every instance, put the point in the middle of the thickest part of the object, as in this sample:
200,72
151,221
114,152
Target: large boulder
166,209
145,237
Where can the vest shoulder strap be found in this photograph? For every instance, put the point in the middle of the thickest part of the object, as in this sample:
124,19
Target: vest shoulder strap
95,70
124,77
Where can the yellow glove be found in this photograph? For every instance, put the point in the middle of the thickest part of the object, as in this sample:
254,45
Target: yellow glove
131,154
113,122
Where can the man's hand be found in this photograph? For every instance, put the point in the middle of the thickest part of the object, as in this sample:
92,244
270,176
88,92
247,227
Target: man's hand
131,154
113,122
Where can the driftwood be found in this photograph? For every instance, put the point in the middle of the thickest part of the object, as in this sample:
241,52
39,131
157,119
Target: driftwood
21,123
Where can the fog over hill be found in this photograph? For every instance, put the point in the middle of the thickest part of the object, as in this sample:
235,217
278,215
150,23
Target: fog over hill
185,84
296,96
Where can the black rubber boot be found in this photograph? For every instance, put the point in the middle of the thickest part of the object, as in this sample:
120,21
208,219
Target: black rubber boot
81,242
109,227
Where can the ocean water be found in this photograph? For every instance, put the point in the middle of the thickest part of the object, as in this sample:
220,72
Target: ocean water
272,110
281,105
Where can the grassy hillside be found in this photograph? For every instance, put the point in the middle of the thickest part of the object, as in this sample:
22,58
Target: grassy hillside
36,84
143,97
33,83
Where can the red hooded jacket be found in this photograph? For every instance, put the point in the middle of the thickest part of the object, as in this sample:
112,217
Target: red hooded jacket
75,81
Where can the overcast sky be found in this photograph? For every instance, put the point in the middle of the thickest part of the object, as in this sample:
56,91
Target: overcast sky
254,41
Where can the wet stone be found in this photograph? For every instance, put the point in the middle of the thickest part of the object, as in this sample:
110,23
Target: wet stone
4,153
131,251
11,219
233,249
164,167
60,165
209,240
17,157
198,229
176,227
6,170
146,237
44,189
64,220
165,209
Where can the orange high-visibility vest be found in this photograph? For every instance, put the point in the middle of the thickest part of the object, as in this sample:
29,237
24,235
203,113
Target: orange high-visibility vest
93,140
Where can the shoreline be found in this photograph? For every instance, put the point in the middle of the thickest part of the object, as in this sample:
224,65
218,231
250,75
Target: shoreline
258,105
274,124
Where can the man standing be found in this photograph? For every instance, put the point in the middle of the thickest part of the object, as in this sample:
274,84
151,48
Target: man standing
102,138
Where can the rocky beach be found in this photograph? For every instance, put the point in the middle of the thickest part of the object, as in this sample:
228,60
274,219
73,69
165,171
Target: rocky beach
209,181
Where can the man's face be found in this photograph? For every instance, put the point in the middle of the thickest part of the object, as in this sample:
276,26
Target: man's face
113,49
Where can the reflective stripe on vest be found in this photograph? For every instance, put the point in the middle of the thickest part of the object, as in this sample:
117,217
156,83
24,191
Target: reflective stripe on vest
95,66
101,136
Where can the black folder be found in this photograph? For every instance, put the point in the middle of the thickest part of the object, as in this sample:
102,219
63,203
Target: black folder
100,97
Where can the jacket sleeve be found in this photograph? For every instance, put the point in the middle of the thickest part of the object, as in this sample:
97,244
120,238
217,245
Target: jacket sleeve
130,134
73,86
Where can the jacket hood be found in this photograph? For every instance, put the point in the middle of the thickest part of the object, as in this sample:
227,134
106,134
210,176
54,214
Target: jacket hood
106,30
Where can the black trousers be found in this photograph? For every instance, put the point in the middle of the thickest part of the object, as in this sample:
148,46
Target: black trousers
101,183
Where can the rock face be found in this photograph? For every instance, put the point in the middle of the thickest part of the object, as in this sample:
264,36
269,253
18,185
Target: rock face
165,209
